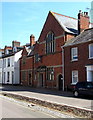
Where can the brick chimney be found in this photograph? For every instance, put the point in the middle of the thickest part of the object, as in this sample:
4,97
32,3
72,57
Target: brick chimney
83,21
32,40
15,44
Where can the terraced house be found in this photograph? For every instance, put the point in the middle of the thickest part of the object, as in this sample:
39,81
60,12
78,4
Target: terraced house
9,64
78,59
46,60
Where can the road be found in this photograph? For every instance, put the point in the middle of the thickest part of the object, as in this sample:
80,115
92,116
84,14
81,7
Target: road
11,109
59,97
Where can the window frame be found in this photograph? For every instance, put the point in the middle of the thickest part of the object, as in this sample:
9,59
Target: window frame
74,57
8,76
50,74
90,57
8,62
50,43
73,83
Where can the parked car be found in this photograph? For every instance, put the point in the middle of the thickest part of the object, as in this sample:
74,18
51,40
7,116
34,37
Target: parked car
83,88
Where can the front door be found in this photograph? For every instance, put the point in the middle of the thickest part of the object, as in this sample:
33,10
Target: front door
41,80
60,82
29,77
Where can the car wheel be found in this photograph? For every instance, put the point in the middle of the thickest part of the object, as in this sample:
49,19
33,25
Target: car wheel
76,94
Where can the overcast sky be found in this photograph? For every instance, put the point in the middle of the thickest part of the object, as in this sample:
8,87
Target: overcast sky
21,19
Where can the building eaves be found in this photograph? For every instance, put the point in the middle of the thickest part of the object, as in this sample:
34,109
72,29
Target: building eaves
8,55
85,36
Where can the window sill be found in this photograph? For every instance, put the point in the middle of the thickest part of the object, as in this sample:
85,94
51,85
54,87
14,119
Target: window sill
90,58
50,53
73,83
74,60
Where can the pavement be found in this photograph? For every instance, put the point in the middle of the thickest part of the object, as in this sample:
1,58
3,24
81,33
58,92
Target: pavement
51,96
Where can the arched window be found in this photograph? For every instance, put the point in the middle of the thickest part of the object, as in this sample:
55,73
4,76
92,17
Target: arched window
50,43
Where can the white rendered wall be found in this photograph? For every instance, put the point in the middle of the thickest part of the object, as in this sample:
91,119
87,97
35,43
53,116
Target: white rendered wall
17,67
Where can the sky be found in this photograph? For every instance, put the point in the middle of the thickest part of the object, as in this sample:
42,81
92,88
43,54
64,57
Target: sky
21,19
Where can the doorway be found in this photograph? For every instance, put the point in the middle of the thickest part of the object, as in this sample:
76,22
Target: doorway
60,82
41,80
29,77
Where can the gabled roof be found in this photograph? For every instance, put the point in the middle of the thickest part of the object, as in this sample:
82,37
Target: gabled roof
85,36
69,24
28,50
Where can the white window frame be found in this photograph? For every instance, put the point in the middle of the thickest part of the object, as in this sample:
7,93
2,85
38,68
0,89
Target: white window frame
50,45
76,76
90,45
8,62
74,57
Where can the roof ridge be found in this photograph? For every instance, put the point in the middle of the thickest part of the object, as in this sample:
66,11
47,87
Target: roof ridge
63,15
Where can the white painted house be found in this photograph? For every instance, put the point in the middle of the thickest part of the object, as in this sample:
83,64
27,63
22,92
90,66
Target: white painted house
1,69
10,68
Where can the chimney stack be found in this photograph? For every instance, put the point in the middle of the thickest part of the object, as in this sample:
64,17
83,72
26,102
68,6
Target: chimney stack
15,44
32,40
83,21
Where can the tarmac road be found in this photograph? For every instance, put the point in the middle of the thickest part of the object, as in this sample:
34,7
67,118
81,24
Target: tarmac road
14,110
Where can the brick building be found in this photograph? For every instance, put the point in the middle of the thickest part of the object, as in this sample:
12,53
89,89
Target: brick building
27,63
45,60
78,59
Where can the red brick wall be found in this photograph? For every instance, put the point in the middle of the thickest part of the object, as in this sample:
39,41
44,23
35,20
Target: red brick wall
76,65
26,67
83,22
53,59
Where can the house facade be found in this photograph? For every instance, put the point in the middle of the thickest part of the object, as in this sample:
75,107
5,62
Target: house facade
45,61
78,59
27,63
9,64
1,69
10,68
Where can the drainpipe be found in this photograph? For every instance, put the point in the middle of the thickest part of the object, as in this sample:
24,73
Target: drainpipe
2,70
63,65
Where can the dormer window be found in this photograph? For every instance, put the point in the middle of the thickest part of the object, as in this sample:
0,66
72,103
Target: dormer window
50,43
15,49
7,52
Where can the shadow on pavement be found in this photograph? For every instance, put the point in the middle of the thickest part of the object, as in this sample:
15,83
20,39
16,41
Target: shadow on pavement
20,88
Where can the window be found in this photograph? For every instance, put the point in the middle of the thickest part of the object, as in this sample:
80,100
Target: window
50,74
74,77
8,62
12,77
23,75
91,50
24,59
74,54
36,57
50,43
8,76
4,77
4,63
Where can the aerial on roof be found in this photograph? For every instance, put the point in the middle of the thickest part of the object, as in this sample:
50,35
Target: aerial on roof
69,24
85,36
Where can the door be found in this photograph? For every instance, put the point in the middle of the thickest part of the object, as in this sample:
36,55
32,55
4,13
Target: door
60,82
29,78
41,80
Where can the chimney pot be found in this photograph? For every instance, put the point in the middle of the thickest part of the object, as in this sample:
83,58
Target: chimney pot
83,21
80,11
32,40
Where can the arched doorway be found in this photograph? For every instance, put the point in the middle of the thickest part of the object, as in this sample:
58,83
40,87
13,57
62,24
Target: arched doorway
60,82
